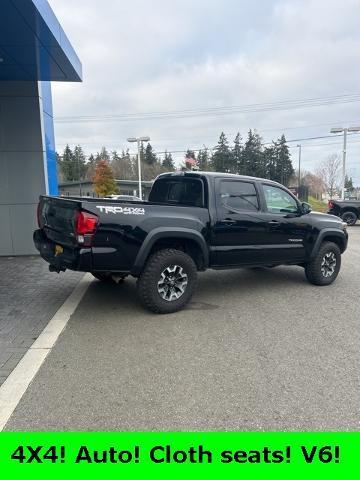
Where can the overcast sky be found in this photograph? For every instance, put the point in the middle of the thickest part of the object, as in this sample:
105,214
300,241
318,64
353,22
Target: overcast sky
140,56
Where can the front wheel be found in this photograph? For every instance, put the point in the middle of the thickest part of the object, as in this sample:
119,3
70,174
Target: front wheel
325,267
350,218
168,281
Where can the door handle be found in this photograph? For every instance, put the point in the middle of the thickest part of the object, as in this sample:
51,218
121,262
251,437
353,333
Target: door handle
274,224
229,221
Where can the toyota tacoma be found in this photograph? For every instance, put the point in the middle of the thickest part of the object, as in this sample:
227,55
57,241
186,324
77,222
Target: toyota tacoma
192,221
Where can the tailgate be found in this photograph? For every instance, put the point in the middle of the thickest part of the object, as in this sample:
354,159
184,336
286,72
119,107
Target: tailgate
57,219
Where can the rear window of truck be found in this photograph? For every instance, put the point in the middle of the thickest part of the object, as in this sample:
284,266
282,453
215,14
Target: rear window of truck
184,191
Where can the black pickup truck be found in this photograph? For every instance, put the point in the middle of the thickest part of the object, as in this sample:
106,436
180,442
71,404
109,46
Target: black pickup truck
192,221
348,210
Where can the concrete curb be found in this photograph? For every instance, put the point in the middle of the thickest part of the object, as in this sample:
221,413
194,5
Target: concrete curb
14,387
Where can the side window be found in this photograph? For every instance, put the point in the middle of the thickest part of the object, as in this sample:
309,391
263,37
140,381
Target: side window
182,192
236,195
279,201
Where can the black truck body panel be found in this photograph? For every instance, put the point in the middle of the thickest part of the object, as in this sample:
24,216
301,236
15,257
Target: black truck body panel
195,217
339,207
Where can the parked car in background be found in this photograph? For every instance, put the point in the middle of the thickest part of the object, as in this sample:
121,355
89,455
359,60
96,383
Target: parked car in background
348,210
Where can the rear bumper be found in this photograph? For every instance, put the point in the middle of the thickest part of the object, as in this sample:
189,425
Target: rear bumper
71,259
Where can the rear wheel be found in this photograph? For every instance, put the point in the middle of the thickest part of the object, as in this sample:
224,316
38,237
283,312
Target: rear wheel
168,281
350,218
324,268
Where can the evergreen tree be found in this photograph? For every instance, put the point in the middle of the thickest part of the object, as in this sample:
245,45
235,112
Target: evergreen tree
59,170
349,183
103,180
284,169
203,160
130,165
150,157
80,162
168,162
142,153
103,155
270,155
68,166
90,167
237,154
116,165
221,160
253,156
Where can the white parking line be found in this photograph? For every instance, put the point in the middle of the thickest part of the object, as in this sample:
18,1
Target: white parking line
14,387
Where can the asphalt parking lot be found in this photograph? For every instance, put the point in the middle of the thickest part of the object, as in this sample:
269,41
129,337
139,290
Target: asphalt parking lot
255,350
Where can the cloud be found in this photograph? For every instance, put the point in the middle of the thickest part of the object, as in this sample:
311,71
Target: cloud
141,56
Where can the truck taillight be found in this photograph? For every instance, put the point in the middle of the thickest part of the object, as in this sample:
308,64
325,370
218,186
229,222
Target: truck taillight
331,204
85,227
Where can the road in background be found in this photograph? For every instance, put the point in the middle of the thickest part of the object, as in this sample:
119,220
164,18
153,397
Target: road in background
256,350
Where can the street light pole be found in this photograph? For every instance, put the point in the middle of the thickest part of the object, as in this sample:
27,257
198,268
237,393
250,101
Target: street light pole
139,141
139,167
299,180
344,165
345,132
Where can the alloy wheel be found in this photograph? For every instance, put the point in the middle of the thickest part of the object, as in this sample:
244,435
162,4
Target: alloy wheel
173,282
348,219
328,264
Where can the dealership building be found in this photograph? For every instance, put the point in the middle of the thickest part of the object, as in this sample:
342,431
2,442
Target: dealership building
34,51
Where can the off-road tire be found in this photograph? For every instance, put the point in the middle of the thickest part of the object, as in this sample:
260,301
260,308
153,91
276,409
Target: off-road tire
350,218
313,269
147,283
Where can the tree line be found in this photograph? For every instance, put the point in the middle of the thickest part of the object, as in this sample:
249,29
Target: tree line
73,165
249,158
245,158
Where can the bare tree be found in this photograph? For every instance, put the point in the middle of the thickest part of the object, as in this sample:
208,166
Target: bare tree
123,165
329,172
315,184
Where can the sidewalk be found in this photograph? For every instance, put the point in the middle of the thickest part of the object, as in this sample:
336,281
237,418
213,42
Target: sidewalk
29,296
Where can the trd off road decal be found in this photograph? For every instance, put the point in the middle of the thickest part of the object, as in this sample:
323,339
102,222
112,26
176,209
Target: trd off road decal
125,210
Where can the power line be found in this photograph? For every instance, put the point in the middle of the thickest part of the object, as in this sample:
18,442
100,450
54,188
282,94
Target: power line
328,143
214,111
233,134
265,143
295,140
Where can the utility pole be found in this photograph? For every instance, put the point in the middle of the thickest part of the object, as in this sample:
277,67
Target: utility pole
345,132
344,165
299,179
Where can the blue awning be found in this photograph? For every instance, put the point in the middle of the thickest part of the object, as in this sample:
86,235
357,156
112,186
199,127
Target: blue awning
33,46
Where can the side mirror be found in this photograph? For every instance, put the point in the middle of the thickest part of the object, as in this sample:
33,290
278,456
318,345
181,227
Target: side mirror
306,208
